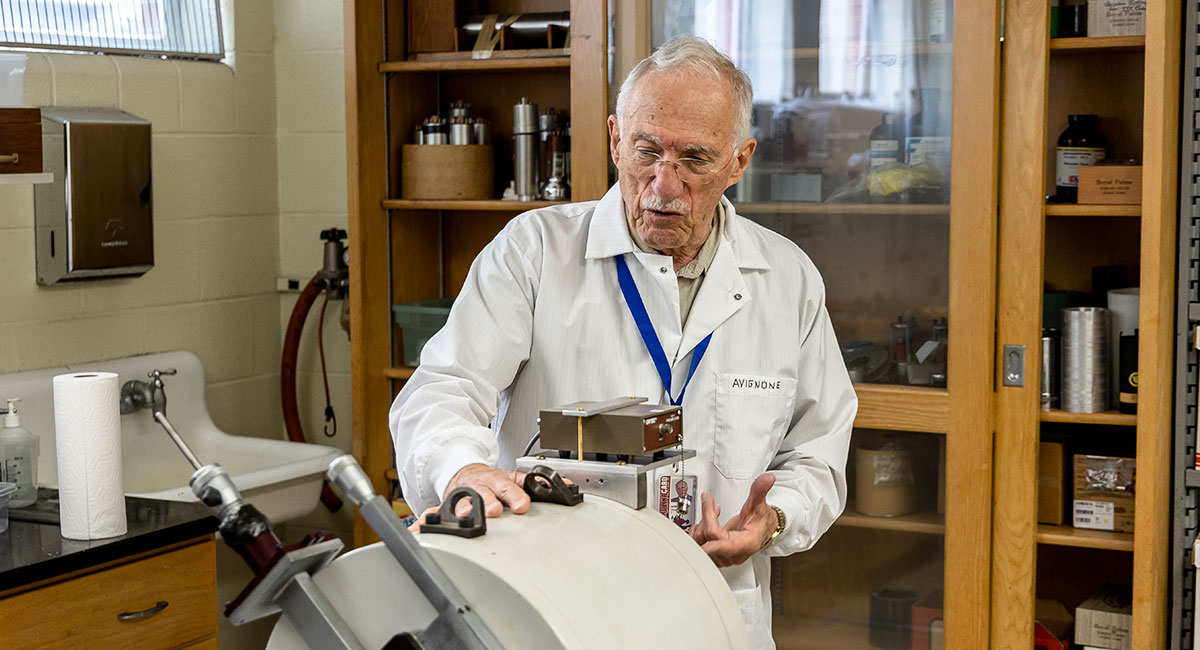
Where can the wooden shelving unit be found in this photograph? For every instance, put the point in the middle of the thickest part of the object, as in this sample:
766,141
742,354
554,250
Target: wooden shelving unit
494,205
880,209
404,250
1068,210
1132,84
1101,43
1084,538
902,408
467,64
1113,418
929,523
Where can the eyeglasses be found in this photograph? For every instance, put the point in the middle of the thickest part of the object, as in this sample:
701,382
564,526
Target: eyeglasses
695,171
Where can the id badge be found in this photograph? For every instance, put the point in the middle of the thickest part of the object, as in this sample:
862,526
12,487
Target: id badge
678,499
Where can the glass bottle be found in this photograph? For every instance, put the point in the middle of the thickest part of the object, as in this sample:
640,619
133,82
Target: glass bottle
1081,144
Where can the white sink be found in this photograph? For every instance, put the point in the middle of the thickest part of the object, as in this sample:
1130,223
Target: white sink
282,479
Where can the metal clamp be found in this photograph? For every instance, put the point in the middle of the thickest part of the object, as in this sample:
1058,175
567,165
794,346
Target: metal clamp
145,613
473,524
553,490
10,158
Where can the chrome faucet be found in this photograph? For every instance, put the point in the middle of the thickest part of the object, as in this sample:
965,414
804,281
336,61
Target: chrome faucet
137,395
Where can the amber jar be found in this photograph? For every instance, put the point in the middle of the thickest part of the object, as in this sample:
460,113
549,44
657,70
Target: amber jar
1081,144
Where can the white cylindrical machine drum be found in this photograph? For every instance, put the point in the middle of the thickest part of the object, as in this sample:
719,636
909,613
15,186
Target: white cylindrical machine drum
596,575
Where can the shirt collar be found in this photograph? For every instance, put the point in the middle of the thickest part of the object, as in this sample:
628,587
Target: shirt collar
608,233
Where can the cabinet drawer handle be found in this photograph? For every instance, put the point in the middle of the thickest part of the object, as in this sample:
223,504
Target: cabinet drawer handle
145,613
10,158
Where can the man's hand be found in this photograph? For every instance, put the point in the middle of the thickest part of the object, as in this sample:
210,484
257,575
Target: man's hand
498,488
744,534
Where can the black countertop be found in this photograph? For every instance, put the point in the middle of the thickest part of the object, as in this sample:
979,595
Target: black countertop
33,548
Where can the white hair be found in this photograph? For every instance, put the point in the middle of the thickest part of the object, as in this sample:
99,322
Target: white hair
696,54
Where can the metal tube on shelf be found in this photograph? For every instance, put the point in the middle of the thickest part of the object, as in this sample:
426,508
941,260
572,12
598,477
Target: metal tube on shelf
525,148
527,25
461,132
1085,359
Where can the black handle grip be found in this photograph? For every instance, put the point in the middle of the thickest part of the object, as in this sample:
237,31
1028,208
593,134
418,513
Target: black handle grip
445,522
553,490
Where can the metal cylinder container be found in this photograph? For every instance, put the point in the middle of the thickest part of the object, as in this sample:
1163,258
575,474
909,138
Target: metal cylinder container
483,131
461,131
1051,368
1085,359
525,150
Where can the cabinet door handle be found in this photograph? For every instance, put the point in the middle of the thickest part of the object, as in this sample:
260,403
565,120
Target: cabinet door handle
10,158
145,613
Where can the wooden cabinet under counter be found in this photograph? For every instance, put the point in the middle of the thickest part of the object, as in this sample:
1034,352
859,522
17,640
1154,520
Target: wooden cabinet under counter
164,600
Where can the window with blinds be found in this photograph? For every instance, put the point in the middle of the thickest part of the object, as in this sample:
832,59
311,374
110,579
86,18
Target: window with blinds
175,28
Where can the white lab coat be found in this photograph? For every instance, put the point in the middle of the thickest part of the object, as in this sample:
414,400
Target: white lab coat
541,321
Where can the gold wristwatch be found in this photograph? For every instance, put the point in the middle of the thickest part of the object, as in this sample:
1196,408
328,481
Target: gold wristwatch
780,524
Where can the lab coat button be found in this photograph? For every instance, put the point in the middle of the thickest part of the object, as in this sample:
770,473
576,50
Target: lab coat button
737,296
662,269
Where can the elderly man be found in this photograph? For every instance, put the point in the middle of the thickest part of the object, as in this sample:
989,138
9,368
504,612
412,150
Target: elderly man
657,289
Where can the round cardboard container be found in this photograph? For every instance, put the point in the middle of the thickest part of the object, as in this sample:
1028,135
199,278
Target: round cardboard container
883,482
447,171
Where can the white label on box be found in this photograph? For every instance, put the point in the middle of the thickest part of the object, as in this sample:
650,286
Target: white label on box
1093,514
1116,17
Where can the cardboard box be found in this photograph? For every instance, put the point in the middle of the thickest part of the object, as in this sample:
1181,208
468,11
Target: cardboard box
20,140
1052,483
1052,626
1104,619
1116,17
1103,489
1110,184
927,625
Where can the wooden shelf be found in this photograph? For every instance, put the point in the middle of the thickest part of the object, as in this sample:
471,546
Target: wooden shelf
500,61
403,372
29,179
1092,44
1109,418
490,205
929,523
1073,210
1084,538
843,208
902,408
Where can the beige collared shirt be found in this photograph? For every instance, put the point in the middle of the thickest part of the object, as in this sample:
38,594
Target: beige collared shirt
692,273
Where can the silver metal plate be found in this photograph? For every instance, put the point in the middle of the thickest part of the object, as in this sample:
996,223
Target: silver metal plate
623,483
262,600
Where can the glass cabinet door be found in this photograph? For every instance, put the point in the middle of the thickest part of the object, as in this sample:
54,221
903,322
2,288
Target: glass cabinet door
852,106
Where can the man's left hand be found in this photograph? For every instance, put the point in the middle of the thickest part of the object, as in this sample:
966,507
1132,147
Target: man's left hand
744,534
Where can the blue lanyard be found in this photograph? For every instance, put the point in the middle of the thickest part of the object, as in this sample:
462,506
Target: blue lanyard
638,310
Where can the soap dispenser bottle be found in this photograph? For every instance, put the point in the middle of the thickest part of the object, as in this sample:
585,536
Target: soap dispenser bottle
18,457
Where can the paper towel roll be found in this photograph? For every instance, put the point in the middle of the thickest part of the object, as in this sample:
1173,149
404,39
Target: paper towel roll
87,430
1123,303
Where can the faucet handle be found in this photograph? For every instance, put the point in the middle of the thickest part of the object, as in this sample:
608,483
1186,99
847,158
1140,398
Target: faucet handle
156,374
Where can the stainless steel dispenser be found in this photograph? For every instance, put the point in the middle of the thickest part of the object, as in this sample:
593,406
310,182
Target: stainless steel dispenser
95,219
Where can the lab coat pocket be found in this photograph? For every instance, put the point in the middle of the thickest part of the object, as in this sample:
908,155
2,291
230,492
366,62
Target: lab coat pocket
751,416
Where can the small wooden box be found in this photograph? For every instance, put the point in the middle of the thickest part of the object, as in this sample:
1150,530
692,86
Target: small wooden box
20,140
432,24
1105,184
447,171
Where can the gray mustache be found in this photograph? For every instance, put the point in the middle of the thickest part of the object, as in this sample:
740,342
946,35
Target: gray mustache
658,204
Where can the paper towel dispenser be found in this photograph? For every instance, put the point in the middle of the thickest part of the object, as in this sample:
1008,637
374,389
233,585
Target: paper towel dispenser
94,220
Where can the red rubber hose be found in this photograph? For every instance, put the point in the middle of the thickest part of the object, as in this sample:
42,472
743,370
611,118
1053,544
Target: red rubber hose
287,378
